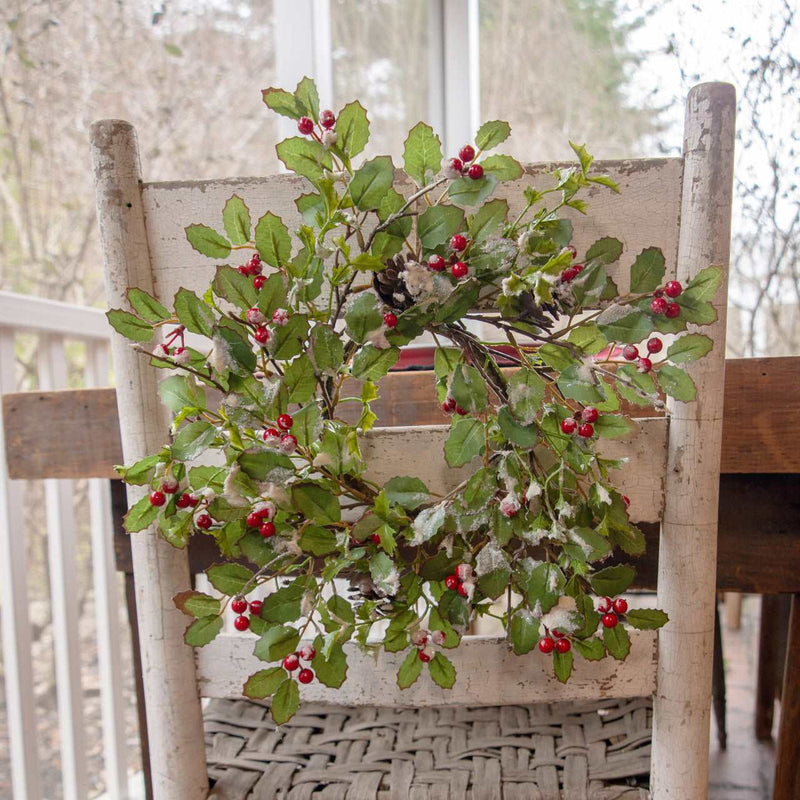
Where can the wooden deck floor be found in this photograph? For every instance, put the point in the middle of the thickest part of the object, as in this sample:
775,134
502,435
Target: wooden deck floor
745,770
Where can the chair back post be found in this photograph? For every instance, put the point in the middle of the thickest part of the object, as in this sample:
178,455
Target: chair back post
688,547
175,724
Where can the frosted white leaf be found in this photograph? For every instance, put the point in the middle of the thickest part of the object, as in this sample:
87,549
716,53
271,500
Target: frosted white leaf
468,588
574,536
537,609
534,536
447,545
428,522
561,619
602,494
552,581
220,356
614,313
377,338
229,488
490,558
528,565
534,490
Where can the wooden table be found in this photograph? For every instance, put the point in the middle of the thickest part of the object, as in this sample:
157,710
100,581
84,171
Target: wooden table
759,512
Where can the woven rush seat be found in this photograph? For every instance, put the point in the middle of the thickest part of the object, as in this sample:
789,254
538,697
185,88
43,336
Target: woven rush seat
575,751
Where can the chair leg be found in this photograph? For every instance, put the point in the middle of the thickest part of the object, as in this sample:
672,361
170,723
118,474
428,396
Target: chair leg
718,682
766,683
787,765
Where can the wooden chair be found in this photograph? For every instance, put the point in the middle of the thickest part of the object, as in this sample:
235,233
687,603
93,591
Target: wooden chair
680,204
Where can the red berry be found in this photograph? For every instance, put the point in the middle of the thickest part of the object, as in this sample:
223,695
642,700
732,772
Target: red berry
239,605
586,431
610,620
449,405
673,289
327,118
568,425
267,512
590,414
658,293
267,529
255,607
305,675
261,335
291,662
436,263
258,282
390,320
572,250
458,242
241,623
625,499
563,646
288,444
658,305
204,521
475,172
546,644
193,500
568,274
558,634
376,538
456,165
424,657
169,486
253,519
620,605
271,433
644,364
459,269
183,501
462,412
654,345
673,310
604,605
305,125
307,652
451,582
630,352
285,422
462,590
157,498
466,153
578,268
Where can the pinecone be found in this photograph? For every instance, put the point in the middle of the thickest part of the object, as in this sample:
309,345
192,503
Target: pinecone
390,286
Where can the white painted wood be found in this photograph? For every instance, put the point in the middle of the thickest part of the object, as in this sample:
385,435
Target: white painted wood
23,313
687,556
61,548
107,605
488,673
421,451
645,214
175,726
17,665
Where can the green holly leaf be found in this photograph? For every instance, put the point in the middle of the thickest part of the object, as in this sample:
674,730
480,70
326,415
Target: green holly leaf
612,581
283,103
178,391
273,241
146,306
613,426
236,219
229,578
410,669
647,271
276,643
646,619
371,182
207,241
352,129
576,383
606,250
523,631
617,642
140,515
705,284
331,670
410,493
676,383
502,167
299,380
202,631
469,389
283,605
583,156
288,340
305,157
285,701
257,464
590,649
701,312
690,347
442,671
192,439
140,472
587,336
196,604
437,224
316,503
308,97
525,436
372,363
469,192
317,541
562,665
129,325
307,424
422,156
236,288
625,324
487,220
491,134
326,348
363,317
465,441
543,584
193,313
272,295
525,395
264,683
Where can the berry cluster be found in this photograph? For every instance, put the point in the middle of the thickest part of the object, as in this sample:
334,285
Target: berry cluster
261,517
582,422
612,610
464,164
557,641
279,436
423,641
253,267
262,333
659,305
326,136
292,662
643,364
461,581
449,406
177,352
240,606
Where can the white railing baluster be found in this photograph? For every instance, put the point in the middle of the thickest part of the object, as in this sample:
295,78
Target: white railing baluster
61,542
106,594
17,664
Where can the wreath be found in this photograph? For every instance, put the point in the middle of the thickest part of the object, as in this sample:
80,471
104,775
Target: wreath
266,361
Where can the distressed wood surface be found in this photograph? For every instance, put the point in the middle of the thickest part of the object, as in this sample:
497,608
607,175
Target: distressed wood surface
88,444
688,544
644,214
787,770
174,717
487,673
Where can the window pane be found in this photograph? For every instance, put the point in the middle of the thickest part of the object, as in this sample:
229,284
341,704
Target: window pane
380,57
